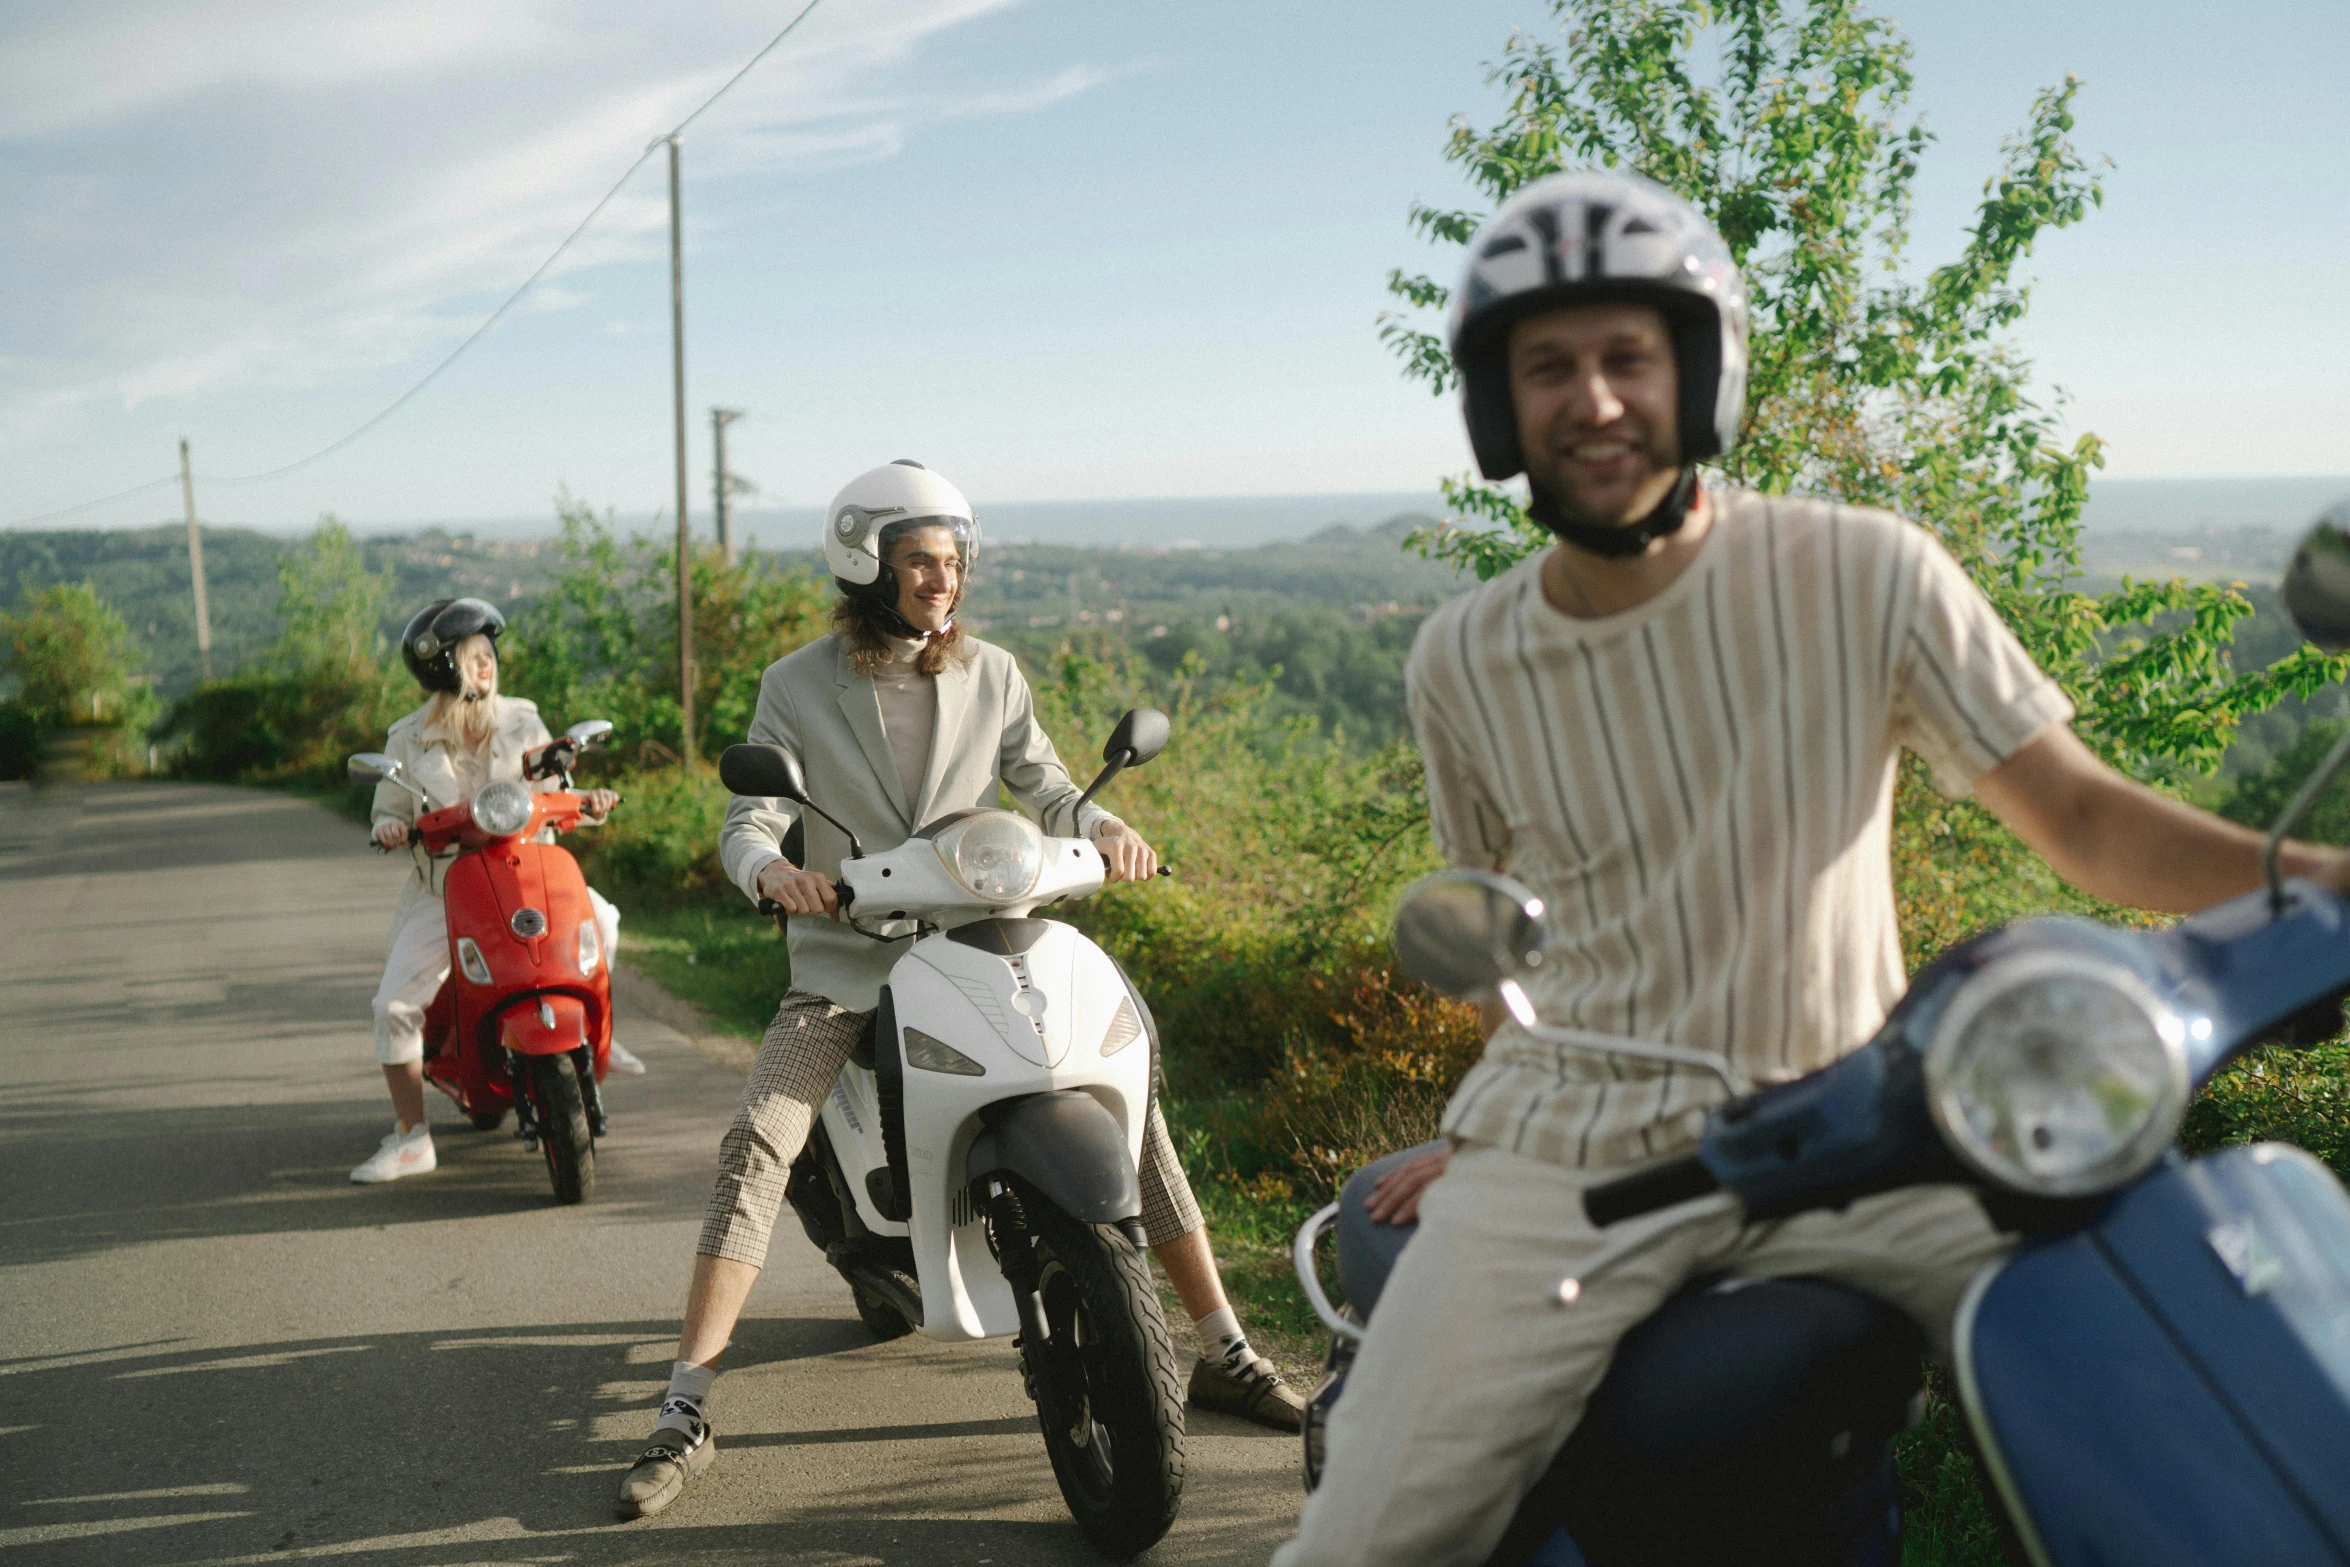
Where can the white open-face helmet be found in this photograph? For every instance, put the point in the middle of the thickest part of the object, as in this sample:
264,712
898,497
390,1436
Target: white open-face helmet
872,509
1593,236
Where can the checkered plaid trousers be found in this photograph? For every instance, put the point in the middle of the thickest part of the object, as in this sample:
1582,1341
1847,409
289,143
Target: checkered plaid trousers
802,1054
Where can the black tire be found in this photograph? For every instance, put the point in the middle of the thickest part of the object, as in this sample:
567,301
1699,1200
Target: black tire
883,1320
1117,1441
487,1120
563,1128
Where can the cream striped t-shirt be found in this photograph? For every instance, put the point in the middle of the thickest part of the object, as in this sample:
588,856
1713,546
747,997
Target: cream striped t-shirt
1701,790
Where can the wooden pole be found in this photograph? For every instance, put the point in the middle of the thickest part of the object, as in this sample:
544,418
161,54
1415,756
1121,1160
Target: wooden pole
196,565
685,579
721,485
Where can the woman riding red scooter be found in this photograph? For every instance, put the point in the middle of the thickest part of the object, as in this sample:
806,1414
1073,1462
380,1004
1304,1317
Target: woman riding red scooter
464,736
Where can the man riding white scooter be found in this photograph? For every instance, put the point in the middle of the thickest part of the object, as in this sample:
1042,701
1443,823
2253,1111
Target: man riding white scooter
897,718
1678,726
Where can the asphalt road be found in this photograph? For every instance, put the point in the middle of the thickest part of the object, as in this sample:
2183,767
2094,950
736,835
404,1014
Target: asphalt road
215,1349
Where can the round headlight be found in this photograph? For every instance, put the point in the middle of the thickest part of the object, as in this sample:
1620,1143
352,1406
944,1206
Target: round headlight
997,856
501,809
2057,1075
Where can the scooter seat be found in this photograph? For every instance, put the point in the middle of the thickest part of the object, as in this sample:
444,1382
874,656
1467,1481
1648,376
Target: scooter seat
1723,1366
1367,1249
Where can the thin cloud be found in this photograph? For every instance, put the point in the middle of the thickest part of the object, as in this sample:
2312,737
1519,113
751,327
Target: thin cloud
282,235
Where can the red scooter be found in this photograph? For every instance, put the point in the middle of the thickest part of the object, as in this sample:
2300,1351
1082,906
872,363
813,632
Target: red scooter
524,1020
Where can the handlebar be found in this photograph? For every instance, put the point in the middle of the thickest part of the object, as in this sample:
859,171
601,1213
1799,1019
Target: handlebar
1648,1189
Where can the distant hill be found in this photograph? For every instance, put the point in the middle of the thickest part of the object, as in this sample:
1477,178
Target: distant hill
1027,588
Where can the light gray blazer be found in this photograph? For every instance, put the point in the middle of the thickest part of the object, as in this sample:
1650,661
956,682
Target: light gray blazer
815,705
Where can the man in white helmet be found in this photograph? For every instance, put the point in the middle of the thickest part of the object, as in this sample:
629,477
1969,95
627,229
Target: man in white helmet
1679,726
897,718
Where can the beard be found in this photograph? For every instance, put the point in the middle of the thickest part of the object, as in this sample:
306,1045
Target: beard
1611,504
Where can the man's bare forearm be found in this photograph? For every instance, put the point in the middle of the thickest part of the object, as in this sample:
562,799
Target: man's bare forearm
2116,839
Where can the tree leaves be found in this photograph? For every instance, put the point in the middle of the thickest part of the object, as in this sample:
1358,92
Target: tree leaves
1787,122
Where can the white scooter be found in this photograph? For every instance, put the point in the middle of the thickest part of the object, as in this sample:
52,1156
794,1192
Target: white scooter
985,1140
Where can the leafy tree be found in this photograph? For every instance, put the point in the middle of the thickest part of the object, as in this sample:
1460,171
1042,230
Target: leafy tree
70,655
1785,121
332,606
602,643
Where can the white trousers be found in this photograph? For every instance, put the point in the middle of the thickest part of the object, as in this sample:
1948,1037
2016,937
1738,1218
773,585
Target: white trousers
1472,1375
418,961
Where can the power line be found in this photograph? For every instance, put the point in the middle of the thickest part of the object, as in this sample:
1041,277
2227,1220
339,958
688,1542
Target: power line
478,332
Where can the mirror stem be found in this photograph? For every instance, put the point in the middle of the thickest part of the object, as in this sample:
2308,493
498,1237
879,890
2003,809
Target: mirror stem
856,849
2311,788
1110,769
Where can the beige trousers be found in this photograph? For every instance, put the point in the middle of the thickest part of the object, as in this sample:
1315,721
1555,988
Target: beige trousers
1472,1375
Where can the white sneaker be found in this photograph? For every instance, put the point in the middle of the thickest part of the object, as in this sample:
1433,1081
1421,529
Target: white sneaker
401,1153
622,1061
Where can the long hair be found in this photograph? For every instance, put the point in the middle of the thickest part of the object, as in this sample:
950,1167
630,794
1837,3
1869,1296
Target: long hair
451,720
858,624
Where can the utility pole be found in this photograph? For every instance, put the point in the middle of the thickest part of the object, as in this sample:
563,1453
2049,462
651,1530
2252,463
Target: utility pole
722,483
685,543
196,565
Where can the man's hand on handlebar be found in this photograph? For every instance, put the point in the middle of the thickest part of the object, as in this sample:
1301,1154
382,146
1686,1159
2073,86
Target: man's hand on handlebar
390,833
1395,1199
799,891
1124,854
597,804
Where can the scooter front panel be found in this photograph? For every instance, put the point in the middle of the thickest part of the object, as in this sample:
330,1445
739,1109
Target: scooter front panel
2244,1256
2104,1435
934,988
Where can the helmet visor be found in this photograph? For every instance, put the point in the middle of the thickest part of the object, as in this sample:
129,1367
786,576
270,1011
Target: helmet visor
964,531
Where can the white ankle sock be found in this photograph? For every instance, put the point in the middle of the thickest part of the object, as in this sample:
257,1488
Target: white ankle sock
689,1389
1220,1338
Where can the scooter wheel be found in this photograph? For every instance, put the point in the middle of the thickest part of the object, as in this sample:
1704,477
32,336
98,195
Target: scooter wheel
564,1135
883,1320
1113,1423
487,1120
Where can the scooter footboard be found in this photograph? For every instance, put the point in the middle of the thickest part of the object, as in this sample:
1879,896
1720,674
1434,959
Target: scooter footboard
1066,1146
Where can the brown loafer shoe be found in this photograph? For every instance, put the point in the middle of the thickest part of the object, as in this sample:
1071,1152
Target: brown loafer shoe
1254,1392
662,1470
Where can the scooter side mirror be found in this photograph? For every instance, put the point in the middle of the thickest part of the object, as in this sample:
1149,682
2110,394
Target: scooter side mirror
763,771
1467,932
2317,585
1141,734
372,767
589,732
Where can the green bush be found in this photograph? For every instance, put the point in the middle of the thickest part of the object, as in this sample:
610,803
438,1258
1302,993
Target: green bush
20,741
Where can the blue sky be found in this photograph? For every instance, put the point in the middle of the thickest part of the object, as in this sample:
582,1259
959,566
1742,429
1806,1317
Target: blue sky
1058,249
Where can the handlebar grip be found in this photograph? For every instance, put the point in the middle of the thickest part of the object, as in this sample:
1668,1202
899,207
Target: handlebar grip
1648,1189
769,907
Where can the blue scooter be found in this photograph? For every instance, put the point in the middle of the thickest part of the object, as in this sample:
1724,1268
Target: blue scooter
2158,1373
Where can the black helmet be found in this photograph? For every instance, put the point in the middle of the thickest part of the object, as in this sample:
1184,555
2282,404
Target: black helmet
429,645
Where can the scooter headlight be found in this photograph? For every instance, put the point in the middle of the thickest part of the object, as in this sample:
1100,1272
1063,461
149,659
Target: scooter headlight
502,808
997,857
2057,1075
469,959
591,947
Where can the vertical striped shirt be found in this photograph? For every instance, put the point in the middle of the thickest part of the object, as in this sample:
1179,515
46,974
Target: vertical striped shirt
1701,790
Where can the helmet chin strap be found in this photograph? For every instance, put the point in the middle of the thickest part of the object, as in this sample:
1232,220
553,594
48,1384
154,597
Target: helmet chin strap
1617,543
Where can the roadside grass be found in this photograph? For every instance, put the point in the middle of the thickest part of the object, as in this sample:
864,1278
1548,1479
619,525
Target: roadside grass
717,955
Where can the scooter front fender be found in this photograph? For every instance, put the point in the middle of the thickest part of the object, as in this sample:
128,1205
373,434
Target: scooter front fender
1066,1146
546,1025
